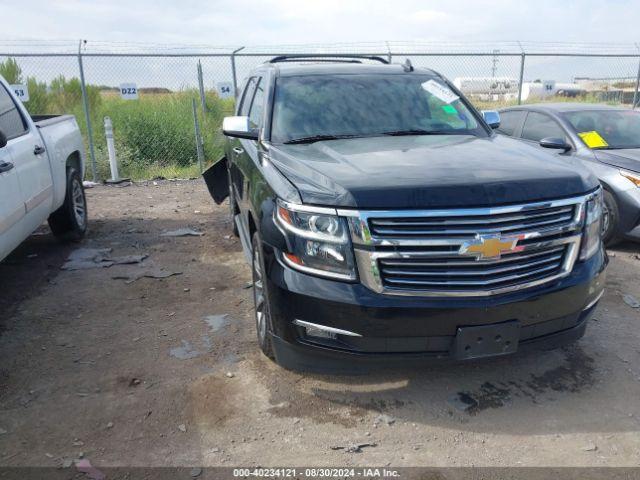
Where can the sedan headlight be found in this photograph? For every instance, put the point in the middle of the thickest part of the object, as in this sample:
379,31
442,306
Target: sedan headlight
318,242
633,177
592,227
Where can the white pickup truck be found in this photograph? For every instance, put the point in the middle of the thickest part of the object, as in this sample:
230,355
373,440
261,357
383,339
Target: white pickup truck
41,171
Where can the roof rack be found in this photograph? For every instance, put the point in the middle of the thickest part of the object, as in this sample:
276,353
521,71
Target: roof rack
328,57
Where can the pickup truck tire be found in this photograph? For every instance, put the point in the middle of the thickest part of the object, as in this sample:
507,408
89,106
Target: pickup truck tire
262,304
69,222
610,219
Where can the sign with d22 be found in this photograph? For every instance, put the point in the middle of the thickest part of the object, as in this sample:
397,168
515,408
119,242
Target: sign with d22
129,91
21,91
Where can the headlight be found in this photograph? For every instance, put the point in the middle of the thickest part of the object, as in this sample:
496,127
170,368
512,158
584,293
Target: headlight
318,242
634,177
592,227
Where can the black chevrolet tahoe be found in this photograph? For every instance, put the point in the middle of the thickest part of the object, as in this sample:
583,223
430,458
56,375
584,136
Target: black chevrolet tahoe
385,222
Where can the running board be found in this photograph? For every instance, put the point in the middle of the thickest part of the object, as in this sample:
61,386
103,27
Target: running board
245,241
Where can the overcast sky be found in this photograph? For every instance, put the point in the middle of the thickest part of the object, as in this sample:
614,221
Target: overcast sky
268,22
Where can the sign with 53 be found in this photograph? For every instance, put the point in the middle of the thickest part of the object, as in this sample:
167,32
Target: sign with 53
22,92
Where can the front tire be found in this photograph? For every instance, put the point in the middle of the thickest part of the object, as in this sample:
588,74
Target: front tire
610,220
69,222
261,301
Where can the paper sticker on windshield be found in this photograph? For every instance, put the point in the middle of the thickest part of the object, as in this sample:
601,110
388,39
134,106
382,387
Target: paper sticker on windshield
593,139
440,91
449,109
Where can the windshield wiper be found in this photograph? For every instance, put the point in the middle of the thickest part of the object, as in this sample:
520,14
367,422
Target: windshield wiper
617,148
398,133
318,138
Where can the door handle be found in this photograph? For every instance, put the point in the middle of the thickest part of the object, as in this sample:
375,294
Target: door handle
38,150
238,150
5,166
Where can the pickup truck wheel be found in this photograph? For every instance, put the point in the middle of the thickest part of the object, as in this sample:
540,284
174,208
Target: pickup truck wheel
610,218
261,297
69,222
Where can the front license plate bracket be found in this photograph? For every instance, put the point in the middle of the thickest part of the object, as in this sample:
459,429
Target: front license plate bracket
486,340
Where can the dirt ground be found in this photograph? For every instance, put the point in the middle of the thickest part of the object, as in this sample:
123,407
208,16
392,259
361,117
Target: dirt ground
166,371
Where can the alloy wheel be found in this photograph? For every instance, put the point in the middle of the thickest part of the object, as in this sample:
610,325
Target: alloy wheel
258,296
78,203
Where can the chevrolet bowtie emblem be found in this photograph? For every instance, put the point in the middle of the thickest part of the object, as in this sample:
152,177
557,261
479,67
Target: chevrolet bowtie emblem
489,247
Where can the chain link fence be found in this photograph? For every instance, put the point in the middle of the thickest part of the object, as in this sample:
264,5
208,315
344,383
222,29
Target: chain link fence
166,102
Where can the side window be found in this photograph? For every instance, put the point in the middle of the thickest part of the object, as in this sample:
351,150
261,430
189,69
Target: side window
257,107
538,126
510,121
11,122
247,96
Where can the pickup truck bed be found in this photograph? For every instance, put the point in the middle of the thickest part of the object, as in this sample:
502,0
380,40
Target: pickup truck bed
42,121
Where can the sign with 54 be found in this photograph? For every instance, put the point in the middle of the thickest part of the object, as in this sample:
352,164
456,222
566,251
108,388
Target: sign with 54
225,89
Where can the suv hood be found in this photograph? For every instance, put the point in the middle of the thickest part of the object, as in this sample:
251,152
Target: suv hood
627,158
428,172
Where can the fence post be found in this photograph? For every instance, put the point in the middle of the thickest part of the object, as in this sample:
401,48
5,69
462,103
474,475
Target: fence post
521,78
87,116
201,87
636,98
196,125
111,148
233,71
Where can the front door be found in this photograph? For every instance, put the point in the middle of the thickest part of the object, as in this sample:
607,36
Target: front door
11,205
30,161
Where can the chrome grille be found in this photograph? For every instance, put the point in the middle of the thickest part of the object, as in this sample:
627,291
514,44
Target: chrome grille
445,273
427,252
435,226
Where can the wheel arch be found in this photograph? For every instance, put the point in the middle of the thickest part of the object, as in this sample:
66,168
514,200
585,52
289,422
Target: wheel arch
74,161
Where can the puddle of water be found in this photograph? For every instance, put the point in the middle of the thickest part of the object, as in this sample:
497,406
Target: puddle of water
217,322
575,375
185,352
206,343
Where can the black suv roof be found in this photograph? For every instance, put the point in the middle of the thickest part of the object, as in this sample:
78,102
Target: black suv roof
323,65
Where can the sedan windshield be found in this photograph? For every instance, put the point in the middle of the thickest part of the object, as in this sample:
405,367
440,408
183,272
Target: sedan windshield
607,129
324,107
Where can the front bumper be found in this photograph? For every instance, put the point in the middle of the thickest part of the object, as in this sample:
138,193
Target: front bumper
417,327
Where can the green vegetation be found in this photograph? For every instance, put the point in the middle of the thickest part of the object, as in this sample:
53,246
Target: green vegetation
154,135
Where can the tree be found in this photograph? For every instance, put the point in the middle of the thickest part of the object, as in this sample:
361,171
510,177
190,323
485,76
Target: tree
11,71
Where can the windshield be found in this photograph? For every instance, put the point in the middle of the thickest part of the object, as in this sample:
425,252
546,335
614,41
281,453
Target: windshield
607,129
326,106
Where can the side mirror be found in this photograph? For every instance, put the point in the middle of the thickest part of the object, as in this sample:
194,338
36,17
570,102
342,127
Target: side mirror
3,140
492,118
554,142
238,127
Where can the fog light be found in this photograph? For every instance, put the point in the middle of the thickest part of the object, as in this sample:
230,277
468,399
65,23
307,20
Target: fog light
322,331
319,333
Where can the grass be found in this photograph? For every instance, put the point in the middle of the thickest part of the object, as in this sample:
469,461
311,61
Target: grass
155,135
